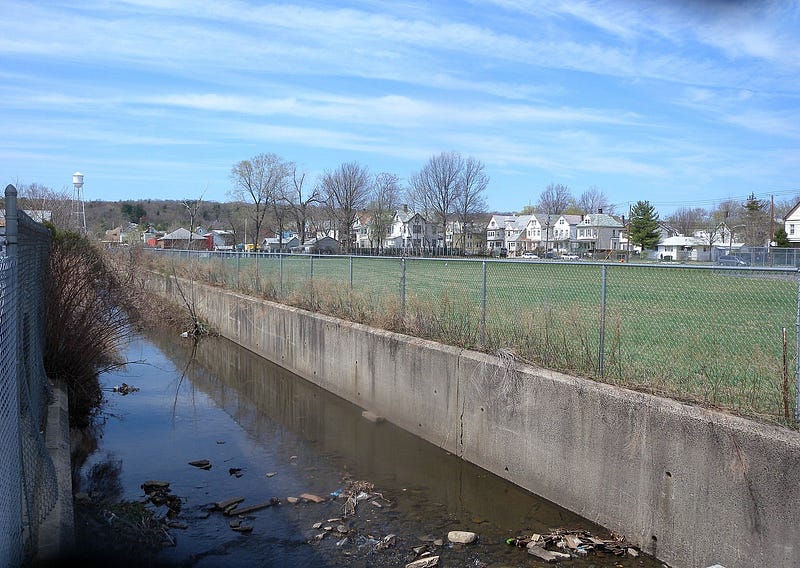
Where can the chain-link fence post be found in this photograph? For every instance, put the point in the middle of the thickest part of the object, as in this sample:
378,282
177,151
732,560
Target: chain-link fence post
280,273
238,270
11,542
797,359
403,285
350,295
483,304
602,320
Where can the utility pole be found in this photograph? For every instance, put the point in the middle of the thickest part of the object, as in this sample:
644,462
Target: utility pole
628,256
771,227
771,219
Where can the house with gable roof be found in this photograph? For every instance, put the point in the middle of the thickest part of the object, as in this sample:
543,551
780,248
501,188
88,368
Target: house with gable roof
182,239
598,234
516,241
791,223
682,248
362,228
496,231
564,232
469,238
410,232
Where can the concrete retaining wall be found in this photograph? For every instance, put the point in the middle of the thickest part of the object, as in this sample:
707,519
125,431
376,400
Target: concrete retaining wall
692,487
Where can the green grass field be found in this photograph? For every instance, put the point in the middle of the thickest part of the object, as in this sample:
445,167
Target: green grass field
713,336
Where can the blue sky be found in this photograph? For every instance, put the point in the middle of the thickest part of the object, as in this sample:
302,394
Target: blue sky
680,103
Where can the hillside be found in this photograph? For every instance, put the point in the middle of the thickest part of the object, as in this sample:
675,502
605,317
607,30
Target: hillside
163,214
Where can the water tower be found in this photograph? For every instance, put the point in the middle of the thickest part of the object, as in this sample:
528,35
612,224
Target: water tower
79,211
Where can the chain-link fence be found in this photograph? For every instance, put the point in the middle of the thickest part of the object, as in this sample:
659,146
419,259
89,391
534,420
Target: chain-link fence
28,485
724,336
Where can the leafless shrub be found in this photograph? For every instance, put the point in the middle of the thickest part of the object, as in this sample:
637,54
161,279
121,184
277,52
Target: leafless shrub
85,320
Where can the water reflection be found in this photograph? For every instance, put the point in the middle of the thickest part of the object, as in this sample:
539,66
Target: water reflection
217,401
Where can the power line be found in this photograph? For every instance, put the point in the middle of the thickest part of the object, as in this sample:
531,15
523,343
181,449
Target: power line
714,201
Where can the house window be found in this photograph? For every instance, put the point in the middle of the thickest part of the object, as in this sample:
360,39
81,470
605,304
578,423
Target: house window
791,228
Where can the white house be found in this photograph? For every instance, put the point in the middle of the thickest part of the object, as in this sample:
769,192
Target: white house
683,248
791,222
564,232
409,231
496,231
516,234
362,229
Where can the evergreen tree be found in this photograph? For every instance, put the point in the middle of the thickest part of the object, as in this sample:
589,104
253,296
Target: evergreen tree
781,238
643,228
756,221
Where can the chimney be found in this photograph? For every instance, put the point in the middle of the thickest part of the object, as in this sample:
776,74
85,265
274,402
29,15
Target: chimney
405,208
600,210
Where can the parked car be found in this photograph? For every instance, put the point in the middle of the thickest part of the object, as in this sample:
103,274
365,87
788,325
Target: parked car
731,260
501,252
570,257
529,254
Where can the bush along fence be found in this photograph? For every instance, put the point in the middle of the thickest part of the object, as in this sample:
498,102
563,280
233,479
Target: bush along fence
721,336
28,482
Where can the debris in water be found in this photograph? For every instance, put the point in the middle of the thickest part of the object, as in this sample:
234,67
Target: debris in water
311,497
574,542
124,389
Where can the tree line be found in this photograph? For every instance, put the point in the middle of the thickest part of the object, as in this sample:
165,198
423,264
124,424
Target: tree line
272,195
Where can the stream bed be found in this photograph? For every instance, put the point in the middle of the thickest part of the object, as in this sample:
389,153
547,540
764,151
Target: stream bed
261,435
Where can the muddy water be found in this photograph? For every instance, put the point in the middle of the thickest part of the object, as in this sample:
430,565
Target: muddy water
268,433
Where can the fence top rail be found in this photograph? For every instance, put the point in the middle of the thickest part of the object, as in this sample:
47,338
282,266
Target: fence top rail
585,262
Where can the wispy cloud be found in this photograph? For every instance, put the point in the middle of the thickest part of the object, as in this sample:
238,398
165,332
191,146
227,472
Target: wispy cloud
585,91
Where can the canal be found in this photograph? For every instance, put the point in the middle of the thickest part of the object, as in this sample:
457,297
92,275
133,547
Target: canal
270,437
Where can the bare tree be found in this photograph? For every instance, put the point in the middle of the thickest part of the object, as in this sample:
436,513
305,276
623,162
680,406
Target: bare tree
386,190
711,227
192,207
471,200
594,200
687,220
260,181
783,206
57,206
437,187
300,205
553,201
235,219
346,191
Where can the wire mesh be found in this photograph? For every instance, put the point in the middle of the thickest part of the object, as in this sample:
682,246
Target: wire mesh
29,482
706,333
11,464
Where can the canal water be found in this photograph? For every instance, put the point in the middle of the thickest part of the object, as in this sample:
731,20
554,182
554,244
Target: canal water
269,434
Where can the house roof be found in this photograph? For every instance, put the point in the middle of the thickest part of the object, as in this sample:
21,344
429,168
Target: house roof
316,240
277,241
682,241
571,219
181,234
600,220
792,212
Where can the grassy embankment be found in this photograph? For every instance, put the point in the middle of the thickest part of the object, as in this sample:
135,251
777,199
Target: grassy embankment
712,336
